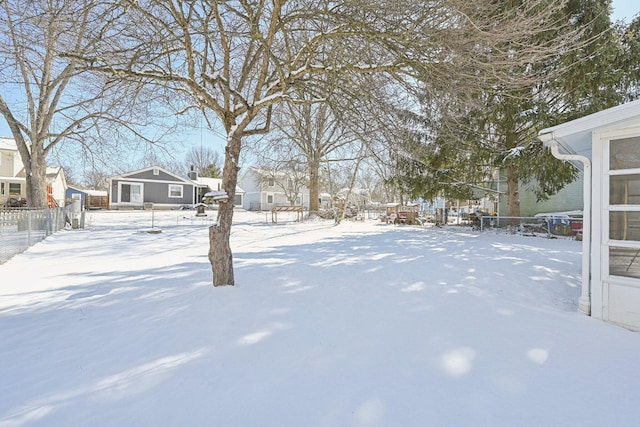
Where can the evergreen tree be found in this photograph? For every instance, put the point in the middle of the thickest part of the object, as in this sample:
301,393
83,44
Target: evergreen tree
462,144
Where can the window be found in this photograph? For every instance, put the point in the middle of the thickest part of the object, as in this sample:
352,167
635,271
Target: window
270,182
15,189
624,189
624,261
624,154
624,225
131,193
623,209
2,193
175,191
270,199
156,171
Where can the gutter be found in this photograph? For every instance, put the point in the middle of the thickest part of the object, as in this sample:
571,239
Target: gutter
549,140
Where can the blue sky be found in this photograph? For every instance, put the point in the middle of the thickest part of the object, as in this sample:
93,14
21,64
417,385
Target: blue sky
622,10
625,9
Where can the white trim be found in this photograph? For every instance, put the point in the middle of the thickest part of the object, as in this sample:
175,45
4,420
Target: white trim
130,203
180,186
597,120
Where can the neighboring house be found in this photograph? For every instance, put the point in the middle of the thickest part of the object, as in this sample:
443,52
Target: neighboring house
150,185
89,199
13,176
567,199
263,191
606,147
11,185
206,185
57,186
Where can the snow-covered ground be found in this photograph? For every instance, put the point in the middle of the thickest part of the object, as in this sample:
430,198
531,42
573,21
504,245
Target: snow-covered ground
362,324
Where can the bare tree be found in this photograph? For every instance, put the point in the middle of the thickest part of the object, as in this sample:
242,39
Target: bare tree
47,99
239,58
289,175
205,161
309,131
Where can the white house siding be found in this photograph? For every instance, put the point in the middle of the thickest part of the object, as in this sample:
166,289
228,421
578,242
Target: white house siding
10,166
257,192
58,183
607,143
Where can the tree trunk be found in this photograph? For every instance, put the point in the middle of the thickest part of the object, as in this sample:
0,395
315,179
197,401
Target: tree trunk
314,187
513,195
220,254
36,179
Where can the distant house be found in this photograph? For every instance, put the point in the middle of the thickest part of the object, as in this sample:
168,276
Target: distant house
265,190
150,185
13,177
89,199
567,199
11,185
606,147
206,185
56,186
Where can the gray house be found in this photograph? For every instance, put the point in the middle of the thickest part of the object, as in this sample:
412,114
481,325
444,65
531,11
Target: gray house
151,185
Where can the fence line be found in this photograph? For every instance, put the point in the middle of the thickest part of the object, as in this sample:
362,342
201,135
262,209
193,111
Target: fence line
552,225
23,228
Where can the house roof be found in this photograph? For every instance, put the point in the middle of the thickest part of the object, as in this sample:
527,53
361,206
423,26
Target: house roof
8,144
214,184
574,137
89,192
127,175
53,170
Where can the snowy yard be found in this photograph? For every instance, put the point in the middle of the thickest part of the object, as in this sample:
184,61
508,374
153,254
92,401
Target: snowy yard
363,324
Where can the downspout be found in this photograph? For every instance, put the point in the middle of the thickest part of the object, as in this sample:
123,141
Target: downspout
584,303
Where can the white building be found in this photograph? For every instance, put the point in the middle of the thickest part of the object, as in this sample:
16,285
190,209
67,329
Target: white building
264,190
606,147
11,185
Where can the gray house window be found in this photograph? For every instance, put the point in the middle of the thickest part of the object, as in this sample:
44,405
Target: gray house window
175,191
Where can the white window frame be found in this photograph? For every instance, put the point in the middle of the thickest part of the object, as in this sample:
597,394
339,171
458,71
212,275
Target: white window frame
130,183
173,187
609,208
156,171
272,197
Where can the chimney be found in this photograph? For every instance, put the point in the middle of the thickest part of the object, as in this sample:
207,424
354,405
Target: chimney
193,174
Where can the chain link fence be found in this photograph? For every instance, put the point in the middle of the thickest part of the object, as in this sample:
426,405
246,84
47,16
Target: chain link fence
551,225
22,228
